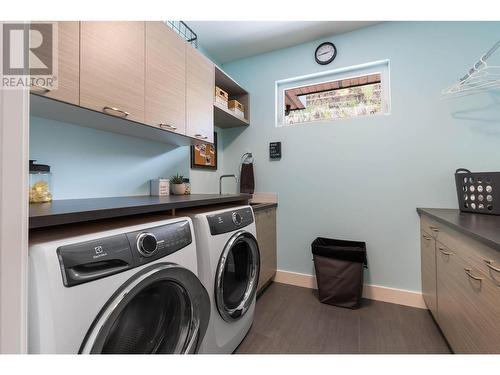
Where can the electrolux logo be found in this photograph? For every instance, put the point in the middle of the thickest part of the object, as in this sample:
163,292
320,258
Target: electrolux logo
99,252
29,53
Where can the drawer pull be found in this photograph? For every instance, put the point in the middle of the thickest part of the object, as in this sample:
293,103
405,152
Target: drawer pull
443,251
426,237
168,126
490,265
201,136
468,271
123,113
40,87
433,228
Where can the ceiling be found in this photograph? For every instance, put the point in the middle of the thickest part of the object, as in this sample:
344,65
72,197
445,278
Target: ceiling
226,41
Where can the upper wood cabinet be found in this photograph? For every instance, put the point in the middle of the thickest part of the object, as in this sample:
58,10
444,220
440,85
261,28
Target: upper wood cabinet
165,91
112,68
68,64
200,86
140,71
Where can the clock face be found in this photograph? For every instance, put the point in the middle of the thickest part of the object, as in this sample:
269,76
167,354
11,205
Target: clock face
325,53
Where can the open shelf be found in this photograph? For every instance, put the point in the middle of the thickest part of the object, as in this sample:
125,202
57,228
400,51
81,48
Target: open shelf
223,117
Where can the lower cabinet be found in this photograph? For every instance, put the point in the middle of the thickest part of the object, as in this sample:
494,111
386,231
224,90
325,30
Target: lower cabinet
428,262
466,286
265,222
469,313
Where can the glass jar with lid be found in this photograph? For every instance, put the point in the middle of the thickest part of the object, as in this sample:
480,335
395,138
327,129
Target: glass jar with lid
40,183
187,185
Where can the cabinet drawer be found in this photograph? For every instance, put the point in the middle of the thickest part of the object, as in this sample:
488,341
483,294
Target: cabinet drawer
429,226
469,305
483,258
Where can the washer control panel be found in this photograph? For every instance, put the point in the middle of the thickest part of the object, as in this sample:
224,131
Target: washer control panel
154,243
90,260
230,221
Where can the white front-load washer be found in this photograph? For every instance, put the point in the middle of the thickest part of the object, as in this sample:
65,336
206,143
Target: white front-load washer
228,266
116,288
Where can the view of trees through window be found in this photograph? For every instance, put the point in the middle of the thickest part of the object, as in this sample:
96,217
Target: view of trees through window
360,96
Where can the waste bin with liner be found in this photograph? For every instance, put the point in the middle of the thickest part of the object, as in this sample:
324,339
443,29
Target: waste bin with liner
339,268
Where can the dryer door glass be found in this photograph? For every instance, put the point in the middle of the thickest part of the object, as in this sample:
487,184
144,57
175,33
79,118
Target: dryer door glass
158,311
237,276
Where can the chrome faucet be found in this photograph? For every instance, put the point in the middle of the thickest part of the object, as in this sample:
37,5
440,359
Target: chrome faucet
223,176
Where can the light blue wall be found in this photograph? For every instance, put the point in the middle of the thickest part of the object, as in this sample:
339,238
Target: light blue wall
88,163
363,178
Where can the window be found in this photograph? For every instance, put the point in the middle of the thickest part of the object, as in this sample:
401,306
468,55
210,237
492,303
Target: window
344,93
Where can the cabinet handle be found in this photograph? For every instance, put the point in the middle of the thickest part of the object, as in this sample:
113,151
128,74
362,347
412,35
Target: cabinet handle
433,228
490,265
201,136
123,113
468,271
426,237
43,88
168,126
443,250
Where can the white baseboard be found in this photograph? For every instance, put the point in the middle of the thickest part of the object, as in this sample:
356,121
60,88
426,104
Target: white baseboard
374,292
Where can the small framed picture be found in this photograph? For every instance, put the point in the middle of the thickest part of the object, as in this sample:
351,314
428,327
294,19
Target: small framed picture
204,156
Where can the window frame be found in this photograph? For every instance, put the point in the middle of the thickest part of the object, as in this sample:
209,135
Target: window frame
381,67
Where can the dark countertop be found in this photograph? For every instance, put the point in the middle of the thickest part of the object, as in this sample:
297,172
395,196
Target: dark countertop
483,228
69,211
262,206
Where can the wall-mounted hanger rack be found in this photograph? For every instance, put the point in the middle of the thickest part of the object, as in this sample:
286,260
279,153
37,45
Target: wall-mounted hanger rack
247,158
481,77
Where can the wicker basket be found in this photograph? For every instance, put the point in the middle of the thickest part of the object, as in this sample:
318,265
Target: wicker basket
478,192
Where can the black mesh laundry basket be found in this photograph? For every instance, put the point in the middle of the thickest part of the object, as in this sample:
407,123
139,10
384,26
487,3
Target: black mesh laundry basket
478,192
339,268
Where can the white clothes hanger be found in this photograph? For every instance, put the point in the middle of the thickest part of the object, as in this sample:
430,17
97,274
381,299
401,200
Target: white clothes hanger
481,77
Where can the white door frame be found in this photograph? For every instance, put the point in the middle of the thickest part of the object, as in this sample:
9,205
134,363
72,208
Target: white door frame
14,207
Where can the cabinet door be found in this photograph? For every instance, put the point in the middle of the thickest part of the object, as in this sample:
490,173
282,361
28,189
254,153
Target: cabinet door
112,68
265,223
200,88
165,101
469,306
68,64
428,264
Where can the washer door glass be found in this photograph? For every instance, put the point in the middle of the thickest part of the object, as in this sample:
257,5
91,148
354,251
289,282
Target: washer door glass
153,313
237,276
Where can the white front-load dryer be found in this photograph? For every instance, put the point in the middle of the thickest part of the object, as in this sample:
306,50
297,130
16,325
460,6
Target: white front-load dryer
115,288
228,266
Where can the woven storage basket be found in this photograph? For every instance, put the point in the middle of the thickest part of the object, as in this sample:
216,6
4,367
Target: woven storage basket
478,192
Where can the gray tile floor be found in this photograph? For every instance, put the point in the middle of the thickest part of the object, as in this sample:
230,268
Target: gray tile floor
290,319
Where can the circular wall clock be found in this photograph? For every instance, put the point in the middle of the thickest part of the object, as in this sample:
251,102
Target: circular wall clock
325,53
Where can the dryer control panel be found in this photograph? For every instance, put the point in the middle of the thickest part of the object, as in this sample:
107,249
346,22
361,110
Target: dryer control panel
90,260
230,221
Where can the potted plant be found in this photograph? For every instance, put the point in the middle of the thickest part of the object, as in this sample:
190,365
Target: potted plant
178,186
